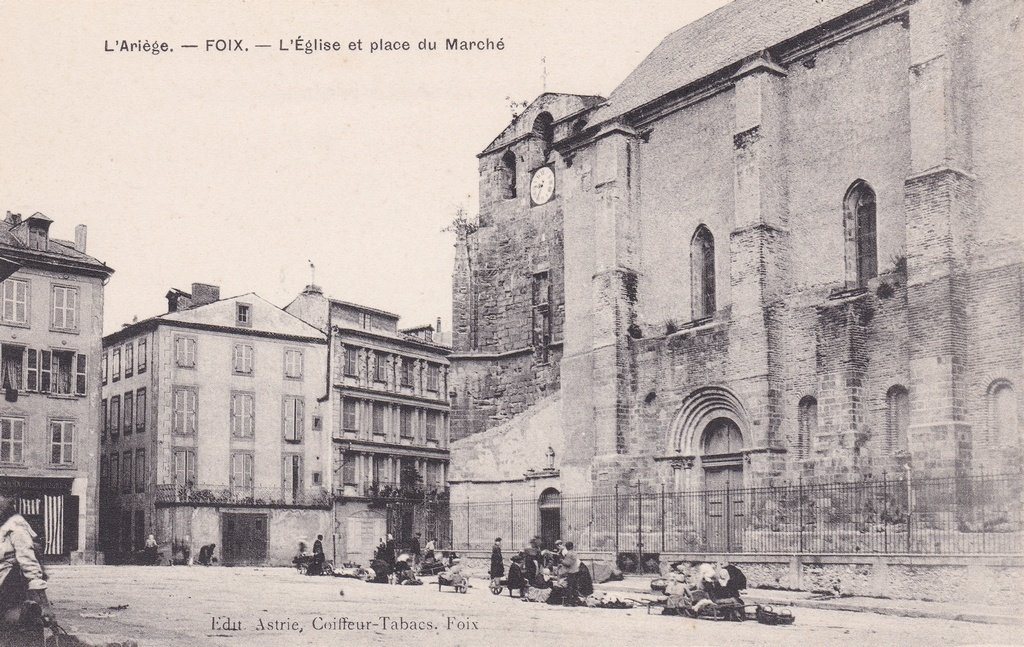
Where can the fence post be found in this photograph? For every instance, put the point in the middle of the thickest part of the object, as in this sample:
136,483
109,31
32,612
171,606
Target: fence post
910,507
639,529
467,525
511,520
885,512
616,523
662,517
800,510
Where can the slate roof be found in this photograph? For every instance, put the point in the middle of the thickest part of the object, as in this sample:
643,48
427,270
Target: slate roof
56,250
716,41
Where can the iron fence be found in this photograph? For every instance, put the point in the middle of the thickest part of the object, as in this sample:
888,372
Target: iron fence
976,514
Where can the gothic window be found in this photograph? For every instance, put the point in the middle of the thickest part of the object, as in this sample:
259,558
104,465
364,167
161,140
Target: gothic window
541,314
897,408
1002,413
860,233
807,426
702,273
508,170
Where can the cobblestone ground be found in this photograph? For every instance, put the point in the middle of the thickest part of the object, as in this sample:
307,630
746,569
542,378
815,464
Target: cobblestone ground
254,607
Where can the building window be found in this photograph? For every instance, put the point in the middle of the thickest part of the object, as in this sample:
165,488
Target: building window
11,364
860,234
432,377
897,407
348,415
12,440
62,442
184,406
65,308
351,362
38,238
129,413
508,174
405,422
185,352
115,416
126,472
243,314
348,469
243,415
142,356
140,410
129,359
116,365
544,128
291,469
140,470
807,426
406,379
293,364
242,359
432,419
242,473
63,372
185,466
379,368
104,420
1002,415
541,294
15,302
293,419
115,472
105,368
702,273
378,419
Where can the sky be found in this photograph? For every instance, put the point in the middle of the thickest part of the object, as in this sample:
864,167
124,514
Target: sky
239,168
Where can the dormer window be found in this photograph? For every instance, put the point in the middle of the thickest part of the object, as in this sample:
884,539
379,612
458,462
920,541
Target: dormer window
37,238
243,314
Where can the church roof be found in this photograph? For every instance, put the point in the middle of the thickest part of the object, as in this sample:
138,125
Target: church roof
720,39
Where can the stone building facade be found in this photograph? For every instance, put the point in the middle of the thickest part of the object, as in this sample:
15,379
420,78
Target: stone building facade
214,431
788,245
51,323
388,396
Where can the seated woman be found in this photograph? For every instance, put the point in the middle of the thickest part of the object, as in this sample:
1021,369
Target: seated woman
516,578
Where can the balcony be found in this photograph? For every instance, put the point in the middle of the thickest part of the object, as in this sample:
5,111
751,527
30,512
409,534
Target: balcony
255,497
384,491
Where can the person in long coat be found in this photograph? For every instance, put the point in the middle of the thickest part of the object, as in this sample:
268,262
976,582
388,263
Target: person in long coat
497,563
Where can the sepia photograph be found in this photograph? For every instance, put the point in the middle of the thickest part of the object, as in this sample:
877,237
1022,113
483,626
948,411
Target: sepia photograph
577,322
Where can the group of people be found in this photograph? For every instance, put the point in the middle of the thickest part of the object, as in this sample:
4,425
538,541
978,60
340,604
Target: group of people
693,588
556,575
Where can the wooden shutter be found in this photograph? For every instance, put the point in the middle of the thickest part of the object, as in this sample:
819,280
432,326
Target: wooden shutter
45,371
32,372
80,366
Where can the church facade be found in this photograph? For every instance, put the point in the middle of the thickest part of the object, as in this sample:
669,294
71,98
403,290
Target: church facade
787,246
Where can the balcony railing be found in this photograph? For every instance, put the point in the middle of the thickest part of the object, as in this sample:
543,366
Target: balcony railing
387,490
254,497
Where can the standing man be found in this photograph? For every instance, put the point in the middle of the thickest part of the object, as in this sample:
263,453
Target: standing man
571,569
316,567
21,579
414,548
497,562
429,550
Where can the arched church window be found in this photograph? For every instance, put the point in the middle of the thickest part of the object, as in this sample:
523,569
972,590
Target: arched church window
860,233
897,408
702,273
722,436
544,127
807,426
1002,418
508,169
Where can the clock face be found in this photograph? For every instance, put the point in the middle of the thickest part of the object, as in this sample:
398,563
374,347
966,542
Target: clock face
542,185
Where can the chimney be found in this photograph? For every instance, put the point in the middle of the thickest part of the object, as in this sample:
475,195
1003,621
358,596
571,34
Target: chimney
80,232
13,218
178,300
437,328
204,293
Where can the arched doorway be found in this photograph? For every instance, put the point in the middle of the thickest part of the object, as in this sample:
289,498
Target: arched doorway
722,462
550,507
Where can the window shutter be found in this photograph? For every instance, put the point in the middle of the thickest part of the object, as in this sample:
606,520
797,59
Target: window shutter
45,371
32,372
190,411
300,422
190,466
80,375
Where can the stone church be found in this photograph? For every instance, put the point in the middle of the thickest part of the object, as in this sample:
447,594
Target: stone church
788,244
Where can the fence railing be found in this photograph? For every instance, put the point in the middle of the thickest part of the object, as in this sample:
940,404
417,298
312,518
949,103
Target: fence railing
204,494
977,514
